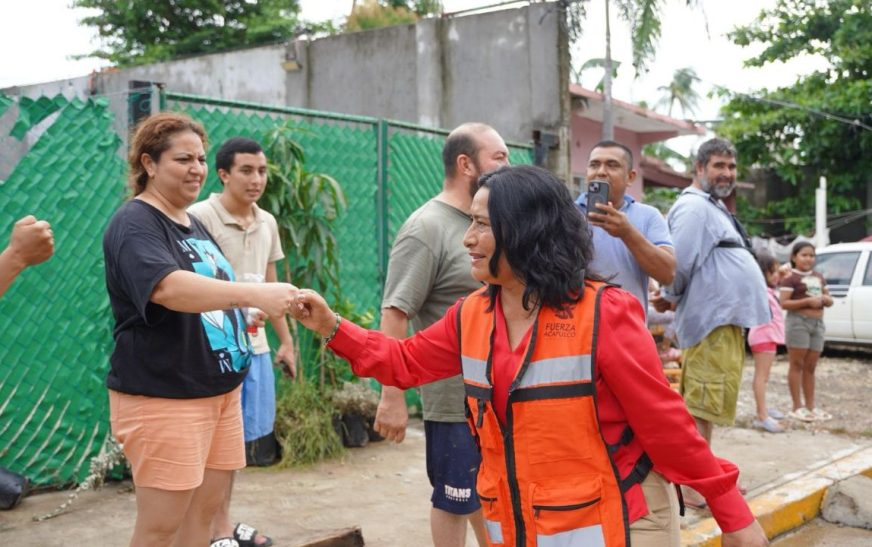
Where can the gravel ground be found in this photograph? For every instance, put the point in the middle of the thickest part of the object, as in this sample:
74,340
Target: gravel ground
843,384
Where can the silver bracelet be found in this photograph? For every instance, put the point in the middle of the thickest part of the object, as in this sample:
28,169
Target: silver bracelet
335,329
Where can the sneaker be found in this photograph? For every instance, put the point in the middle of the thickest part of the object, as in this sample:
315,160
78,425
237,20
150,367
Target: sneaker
769,424
775,413
802,414
821,415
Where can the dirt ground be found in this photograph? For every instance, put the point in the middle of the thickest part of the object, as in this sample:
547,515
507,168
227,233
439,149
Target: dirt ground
383,487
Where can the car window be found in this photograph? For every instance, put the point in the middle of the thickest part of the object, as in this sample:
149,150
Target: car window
867,279
837,268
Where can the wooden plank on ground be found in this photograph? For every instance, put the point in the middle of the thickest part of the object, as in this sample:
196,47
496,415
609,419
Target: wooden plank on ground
345,537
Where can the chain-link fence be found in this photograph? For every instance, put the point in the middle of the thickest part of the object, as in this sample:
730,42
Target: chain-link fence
55,323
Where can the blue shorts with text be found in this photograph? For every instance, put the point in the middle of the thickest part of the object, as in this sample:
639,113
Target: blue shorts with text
452,466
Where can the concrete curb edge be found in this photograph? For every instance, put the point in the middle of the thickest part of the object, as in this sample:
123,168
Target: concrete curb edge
790,505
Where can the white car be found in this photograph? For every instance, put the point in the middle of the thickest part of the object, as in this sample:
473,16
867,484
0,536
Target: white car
847,267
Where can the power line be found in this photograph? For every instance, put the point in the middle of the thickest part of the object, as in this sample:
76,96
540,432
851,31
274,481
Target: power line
854,122
835,220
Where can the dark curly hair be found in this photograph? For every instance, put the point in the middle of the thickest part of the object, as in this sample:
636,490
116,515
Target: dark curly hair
545,237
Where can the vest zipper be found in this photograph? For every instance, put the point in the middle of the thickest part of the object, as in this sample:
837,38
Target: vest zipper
514,491
509,444
490,501
573,507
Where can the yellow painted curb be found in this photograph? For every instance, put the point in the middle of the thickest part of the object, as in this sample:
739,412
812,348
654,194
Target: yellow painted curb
790,505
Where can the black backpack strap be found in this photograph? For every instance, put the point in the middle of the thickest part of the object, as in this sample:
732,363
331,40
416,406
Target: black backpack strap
638,473
626,436
642,467
743,233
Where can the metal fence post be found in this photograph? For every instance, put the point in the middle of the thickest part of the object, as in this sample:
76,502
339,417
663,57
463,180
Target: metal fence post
381,197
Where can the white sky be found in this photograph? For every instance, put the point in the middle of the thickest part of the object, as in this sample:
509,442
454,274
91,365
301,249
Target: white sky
38,38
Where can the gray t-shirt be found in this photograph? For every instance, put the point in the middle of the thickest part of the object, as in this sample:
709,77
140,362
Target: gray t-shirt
428,271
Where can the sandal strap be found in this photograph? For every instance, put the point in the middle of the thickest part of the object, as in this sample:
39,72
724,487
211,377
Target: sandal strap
244,532
224,542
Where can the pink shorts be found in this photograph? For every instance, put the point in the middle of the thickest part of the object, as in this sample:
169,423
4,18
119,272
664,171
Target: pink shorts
170,442
764,347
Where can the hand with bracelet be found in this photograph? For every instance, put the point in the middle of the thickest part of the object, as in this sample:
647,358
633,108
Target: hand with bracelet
312,311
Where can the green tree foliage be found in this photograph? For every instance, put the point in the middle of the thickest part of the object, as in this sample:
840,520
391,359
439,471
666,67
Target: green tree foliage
422,8
822,124
661,198
371,14
142,32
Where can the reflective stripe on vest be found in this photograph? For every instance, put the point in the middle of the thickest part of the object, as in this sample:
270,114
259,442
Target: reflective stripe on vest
556,370
546,478
474,370
494,531
589,536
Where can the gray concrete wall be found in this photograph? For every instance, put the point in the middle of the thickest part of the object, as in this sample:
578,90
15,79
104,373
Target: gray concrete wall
500,67
503,68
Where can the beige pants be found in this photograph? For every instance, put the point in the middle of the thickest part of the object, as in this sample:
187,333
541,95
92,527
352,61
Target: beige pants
660,527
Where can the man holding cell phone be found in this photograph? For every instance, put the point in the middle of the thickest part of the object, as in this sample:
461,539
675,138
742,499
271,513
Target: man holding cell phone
631,240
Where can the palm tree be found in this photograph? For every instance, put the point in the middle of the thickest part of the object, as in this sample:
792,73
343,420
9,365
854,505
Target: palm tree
681,90
644,19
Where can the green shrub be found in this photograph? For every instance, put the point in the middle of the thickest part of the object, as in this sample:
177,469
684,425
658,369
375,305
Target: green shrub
304,425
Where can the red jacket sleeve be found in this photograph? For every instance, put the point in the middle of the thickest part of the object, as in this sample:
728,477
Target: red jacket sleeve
429,355
627,359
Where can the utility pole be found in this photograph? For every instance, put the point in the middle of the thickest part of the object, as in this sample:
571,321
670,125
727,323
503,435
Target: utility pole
821,234
608,133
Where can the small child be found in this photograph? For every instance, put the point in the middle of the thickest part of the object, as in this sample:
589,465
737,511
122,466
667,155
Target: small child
764,340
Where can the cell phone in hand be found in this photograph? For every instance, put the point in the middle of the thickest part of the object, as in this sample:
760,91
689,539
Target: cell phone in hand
597,192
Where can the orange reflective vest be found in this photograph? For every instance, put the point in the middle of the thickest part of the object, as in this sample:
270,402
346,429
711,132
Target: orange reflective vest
547,477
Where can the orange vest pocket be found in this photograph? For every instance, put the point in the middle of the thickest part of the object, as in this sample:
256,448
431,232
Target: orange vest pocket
568,510
495,507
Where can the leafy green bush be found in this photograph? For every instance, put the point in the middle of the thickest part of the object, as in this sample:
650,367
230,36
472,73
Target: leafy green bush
304,425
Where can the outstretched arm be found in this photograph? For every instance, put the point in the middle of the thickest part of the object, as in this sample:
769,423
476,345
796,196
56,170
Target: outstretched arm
189,292
658,415
429,355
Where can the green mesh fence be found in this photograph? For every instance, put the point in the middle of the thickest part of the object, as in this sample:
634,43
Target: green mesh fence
415,169
55,322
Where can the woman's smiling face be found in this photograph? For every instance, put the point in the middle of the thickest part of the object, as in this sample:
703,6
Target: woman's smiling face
479,240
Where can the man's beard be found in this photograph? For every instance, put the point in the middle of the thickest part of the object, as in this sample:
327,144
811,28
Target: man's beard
473,186
719,192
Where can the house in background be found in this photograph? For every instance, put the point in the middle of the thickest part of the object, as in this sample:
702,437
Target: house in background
635,127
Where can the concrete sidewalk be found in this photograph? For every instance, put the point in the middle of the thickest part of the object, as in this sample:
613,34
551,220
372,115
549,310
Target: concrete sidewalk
383,488
786,476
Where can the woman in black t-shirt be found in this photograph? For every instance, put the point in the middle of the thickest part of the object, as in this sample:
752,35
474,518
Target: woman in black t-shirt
181,350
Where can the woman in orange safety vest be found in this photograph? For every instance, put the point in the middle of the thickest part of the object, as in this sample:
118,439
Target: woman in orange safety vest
579,432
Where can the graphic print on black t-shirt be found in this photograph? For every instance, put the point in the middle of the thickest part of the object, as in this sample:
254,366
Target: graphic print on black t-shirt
225,329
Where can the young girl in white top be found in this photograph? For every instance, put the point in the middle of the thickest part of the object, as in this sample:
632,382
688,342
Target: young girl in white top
764,341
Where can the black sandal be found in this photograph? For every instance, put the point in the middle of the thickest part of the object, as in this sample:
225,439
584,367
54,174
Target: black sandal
245,536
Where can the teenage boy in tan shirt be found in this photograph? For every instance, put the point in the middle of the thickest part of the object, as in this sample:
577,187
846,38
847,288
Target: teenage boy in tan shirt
249,238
